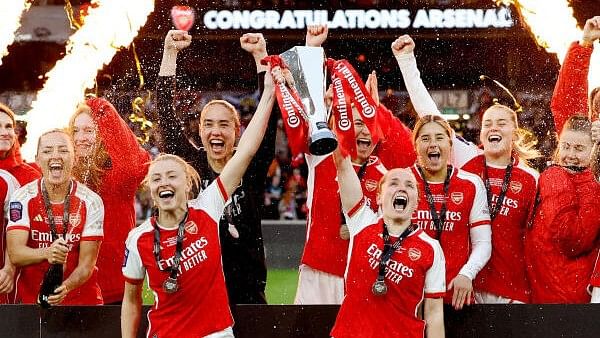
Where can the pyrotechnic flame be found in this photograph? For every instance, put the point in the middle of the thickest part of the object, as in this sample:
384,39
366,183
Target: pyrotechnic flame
552,24
10,21
111,25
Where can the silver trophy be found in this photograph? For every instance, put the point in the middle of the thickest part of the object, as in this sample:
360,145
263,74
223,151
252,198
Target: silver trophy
307,65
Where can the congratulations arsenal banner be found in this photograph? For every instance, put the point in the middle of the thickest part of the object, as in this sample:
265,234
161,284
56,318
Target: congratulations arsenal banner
348,88
292,111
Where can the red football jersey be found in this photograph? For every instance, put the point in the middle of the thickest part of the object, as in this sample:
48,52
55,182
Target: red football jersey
466,207
324,249
505,273
86,217
8,185
414,271
200,306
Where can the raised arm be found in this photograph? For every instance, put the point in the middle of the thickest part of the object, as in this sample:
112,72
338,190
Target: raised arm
350,189
255,44
403,50
250,141
171,128
571,89
396,150
129,159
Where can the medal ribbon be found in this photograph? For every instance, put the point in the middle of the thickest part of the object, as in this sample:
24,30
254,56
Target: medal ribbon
178,247
507,173
349,88
292,110
438,219
50,214
389,249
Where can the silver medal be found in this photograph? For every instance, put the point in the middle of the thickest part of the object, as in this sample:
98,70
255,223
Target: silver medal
379,288
170,285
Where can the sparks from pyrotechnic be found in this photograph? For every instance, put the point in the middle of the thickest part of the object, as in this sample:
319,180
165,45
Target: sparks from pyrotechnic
10,20
554,27
109,26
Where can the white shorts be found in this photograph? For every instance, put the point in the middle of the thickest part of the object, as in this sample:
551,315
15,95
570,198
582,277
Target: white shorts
482,297
227,333
317,287
596,295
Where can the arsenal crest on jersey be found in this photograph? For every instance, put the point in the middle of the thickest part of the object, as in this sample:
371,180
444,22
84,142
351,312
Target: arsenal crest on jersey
456,197
74,219
191,227
370,184
516,187
414,254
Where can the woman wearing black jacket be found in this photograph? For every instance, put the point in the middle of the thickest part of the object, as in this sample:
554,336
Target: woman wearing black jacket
240,227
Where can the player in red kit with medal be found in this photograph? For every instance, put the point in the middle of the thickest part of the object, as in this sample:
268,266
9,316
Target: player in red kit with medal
510,184
39,235
393,266
178,249
452,208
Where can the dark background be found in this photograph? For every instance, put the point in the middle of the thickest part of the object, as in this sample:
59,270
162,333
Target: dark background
448,58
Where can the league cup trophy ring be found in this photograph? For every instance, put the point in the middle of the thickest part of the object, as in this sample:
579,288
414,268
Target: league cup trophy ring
308,68
379,287
170,285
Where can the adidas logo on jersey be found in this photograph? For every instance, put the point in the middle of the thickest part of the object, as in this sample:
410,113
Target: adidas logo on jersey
38,218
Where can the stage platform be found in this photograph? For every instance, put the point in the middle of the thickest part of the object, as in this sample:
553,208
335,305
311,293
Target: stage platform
281,321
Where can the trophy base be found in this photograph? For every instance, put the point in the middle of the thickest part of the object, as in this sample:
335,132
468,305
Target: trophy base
322,142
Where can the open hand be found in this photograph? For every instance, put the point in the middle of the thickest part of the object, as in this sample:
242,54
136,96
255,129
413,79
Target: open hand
463,291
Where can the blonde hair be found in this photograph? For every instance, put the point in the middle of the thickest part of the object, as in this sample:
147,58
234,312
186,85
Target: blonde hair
525,144
228,106
90,171
421,122
192,176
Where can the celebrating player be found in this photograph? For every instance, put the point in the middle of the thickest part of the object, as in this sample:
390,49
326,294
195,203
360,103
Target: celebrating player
109,160
562,243
23,173
392,264
38,234
8,185
324,260
241,233
178,249
452,208
510,183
